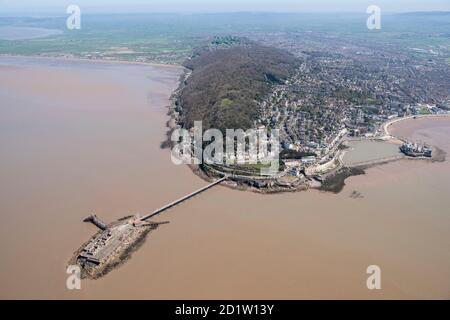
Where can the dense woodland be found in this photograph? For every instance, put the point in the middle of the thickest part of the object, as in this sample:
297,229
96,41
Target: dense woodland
228,78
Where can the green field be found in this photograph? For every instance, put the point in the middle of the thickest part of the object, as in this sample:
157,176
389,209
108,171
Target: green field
170,38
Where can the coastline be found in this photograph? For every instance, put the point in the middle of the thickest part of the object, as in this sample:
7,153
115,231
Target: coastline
335,170
331,180
315,226
334,177
389,123
78,59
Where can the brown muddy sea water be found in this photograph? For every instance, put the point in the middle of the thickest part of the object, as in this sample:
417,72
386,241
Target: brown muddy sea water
80,137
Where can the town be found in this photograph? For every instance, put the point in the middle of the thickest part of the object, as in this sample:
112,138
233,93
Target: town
350,85
323,93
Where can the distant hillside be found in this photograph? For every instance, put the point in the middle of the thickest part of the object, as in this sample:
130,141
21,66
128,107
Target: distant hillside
228,77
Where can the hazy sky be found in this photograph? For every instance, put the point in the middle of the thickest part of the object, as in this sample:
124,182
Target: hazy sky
40,6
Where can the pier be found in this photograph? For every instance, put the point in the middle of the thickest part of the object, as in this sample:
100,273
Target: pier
116,241
180,200
376,161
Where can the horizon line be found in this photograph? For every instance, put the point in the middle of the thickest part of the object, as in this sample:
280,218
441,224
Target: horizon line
54,13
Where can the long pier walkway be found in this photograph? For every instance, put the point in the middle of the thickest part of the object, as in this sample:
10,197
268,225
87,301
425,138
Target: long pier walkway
376,161
180,200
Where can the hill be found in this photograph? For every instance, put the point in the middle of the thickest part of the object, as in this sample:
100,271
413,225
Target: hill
228,77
